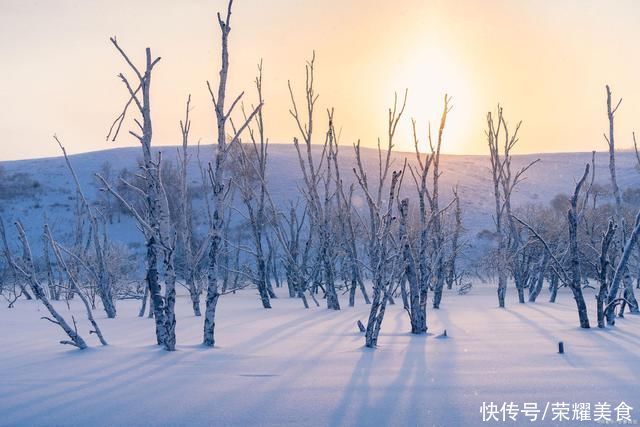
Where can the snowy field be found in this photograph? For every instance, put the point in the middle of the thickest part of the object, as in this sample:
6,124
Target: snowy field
297,367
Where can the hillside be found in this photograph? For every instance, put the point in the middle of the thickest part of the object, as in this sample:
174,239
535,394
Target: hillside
53,192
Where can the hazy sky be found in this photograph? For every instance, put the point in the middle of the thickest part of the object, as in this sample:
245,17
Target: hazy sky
546,62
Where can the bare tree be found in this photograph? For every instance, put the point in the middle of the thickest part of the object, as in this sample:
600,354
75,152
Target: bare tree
28,272
216,173
504,183
374,190
537,278
493,134
319,208
418,291
452,274
156,223
54,291
185,231
620,273
437,233
11,264
603,271
383,263
106,202
574,254
345,217
637,151
253,164
73,281
414,299
102,272
620,237
288,230
571,278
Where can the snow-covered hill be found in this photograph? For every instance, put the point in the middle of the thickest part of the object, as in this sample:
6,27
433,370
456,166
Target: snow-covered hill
54,193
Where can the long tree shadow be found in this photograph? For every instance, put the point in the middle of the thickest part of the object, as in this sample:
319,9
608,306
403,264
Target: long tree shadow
313,362
374,397
96,385
356,396
284,330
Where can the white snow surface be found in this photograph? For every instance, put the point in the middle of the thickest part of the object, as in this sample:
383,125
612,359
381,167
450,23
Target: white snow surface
294,367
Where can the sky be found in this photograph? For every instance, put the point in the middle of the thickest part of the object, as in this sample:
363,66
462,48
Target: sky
545,61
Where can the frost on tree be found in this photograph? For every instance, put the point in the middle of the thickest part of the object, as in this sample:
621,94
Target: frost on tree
100,270
320,204
185,221
28,272
216,174
622,271
251,179
155,220
501,142
384,261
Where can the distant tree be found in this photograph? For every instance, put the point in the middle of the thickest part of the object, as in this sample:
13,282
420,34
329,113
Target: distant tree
184,212
17,184
97,232
251,180
560,202
631,196
599,191
105,200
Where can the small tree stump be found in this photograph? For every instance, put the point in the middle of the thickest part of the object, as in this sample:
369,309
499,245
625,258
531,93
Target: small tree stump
560,347
443,335
361,326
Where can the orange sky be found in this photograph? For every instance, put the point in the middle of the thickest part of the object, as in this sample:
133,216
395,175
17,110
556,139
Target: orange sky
546,61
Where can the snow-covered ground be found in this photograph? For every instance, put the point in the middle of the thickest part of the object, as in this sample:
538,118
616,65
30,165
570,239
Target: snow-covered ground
297,367
291,366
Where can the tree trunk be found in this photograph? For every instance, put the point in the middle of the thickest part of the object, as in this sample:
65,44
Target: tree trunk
537,287
502,288
621,271
574,255
600,301
194,294
155,291
170,301
143,307
212,293
38,292
352,291
582,307
553,287
262,282
416,314
332,296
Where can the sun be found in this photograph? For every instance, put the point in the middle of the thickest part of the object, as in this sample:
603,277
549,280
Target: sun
430,72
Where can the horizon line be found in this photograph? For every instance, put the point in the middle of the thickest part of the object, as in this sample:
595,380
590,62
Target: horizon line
412,152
